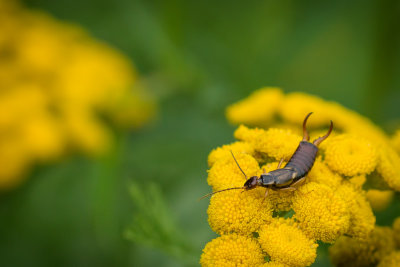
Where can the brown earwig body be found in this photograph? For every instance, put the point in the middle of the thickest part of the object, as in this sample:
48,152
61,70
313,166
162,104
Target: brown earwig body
293,174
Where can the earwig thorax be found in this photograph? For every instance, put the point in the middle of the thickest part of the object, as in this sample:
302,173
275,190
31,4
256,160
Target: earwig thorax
267,179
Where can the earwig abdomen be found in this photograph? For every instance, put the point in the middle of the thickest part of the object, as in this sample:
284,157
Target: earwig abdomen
303,159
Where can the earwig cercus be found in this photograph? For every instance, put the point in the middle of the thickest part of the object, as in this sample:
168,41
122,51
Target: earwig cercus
291,176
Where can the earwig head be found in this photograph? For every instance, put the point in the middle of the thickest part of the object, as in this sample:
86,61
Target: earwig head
251,183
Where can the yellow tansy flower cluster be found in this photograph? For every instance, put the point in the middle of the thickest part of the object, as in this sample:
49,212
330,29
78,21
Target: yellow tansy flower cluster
391,260
59,91
369,252
330,206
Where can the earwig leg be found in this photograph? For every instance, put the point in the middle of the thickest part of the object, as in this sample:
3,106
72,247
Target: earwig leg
280,163
289,189
265,196
318,141
294,186
298,183
306,136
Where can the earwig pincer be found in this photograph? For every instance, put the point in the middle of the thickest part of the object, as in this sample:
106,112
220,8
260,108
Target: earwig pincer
291,176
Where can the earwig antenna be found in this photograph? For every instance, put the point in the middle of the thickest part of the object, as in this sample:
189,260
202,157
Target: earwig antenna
320,139
238,165
210,194
306,136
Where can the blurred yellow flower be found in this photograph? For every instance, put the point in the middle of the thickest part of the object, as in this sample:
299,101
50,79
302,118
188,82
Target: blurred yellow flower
59,88
232,250
379,199
331,206
351,252
396,230
390,260
257,108
396,140
389,167
358,181
295,106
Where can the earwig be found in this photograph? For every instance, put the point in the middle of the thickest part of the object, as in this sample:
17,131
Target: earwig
293,175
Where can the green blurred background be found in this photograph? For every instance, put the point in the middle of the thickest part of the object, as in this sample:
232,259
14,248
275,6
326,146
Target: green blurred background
137,205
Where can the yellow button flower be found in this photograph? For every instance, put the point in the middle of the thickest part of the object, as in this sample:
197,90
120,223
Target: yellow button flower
390,260
244,133
225,151
351,252
320,173
362,219
350,155
274,264
239,211
322,215
389,167
276,143
287,244
258,109
232,250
